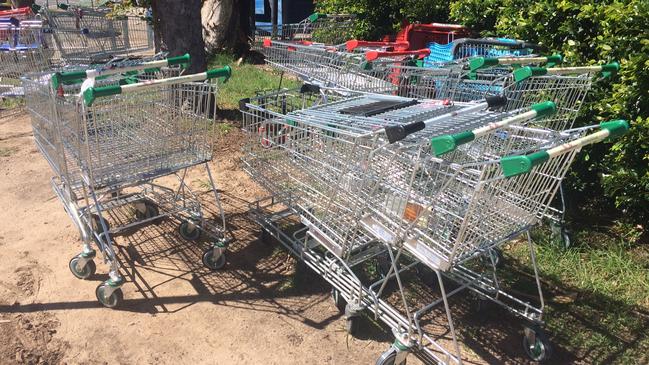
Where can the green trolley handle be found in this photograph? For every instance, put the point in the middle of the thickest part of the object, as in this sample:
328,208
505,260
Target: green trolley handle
93,93
444,144
525,73
517,165
478,63
75,77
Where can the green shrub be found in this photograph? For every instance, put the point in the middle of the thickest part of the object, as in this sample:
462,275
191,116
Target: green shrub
587,32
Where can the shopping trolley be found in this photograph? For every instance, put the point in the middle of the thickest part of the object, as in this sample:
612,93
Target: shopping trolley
85,36
21,51
414,36
24,13
332,67
108,141
305,164
480,47
318,27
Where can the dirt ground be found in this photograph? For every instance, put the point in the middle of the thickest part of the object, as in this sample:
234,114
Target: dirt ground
254,311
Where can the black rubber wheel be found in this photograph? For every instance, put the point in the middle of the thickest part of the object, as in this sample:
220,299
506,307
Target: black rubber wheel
389,358
211,263
497,256
352,324
338,300
87,271
183,230
95,223
151,210
539,349
111,301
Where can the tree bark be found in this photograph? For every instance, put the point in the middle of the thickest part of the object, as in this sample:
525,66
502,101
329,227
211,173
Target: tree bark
226,25
178,30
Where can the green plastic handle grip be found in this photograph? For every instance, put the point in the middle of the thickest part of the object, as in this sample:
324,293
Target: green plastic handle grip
62,6
179,60
517,165
93,93
225,72
315,16
445,144
67,78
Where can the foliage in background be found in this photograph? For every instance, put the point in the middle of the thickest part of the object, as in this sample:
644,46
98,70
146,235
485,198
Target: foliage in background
377,18
588,32
604,177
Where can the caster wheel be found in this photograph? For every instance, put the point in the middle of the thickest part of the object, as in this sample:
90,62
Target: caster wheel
84,272
109,301
389,358
338,300
265,237
95,223
187,233
383,265
352,324
150,211
536,344
496,255
211,263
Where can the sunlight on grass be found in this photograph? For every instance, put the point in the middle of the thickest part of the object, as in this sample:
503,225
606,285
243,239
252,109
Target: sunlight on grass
246,80
606,315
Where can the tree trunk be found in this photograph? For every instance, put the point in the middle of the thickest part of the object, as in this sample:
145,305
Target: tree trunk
178,30
226,25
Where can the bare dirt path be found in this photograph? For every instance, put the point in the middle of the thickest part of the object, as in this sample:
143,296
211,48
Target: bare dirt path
255,311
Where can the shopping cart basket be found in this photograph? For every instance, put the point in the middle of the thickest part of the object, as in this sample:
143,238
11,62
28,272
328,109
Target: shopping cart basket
108,145
478,176
92,36
481,47
324,28
332,67
21,51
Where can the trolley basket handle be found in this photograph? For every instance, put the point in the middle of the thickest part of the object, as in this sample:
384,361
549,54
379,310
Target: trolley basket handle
477,63
606,70
355,43
373,55
523,164
444,144
396,133
93,93
74,77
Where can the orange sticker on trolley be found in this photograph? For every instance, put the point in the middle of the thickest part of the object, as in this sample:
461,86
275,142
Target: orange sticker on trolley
412,211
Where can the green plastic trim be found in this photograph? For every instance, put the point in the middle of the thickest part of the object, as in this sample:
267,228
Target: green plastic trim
67,78
517,165
291,122
88,255
93,93
554,60
129,80
616,128
315,16
62,6
366,65
445,144
610,69
524,73
183,60
400,346
544,109
115,283
36,8
224,72
482,62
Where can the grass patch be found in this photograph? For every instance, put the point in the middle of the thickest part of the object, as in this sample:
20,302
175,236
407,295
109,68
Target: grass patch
246,80
605,319
11,103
